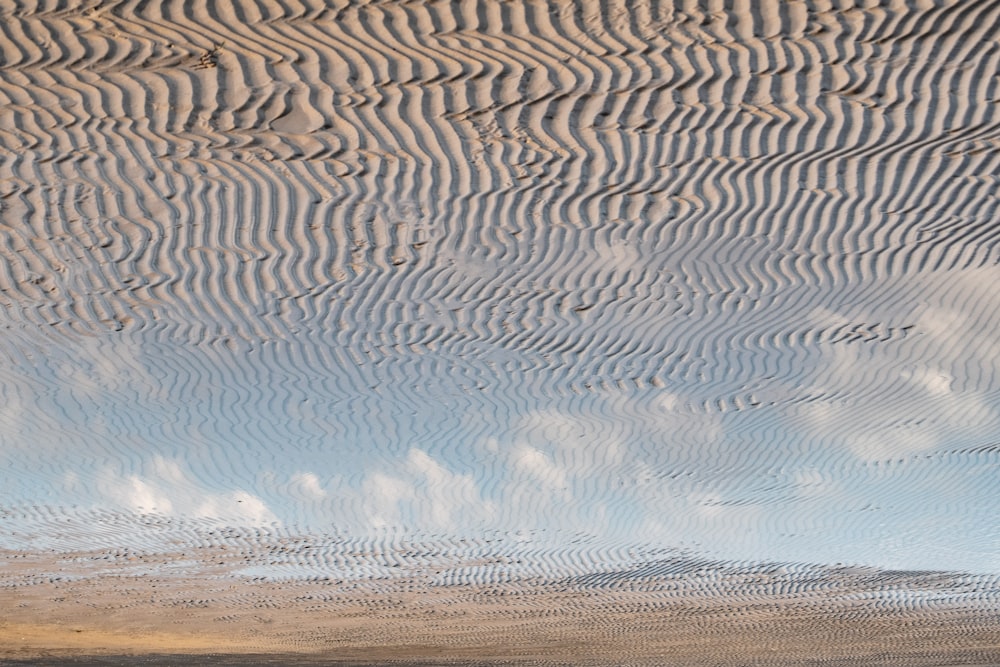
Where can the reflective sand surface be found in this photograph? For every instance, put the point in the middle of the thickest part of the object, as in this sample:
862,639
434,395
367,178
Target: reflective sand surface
575,332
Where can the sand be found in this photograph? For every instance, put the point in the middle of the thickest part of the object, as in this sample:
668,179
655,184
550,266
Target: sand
552,284
671,609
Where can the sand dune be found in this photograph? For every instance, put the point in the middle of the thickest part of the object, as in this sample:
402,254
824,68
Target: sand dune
707,276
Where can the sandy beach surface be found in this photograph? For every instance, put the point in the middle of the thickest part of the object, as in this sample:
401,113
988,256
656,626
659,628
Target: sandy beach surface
660,609
542,332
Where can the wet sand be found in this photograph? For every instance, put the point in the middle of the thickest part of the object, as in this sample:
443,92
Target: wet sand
666,611
283,281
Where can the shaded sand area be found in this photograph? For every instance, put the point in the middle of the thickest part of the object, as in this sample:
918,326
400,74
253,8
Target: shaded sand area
435,604
501,330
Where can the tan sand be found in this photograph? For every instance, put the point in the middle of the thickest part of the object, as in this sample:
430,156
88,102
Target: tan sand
857,617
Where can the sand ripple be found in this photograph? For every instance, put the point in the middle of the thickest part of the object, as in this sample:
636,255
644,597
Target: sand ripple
715,278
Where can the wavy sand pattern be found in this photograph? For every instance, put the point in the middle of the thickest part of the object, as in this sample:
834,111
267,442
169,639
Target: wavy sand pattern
576,332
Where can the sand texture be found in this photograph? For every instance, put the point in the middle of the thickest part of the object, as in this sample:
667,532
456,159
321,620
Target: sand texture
434,602
575,332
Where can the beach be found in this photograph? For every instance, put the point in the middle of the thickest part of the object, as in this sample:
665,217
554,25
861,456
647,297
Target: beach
519,332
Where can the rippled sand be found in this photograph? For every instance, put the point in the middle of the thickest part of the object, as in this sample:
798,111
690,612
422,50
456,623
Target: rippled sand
521,331
434,602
